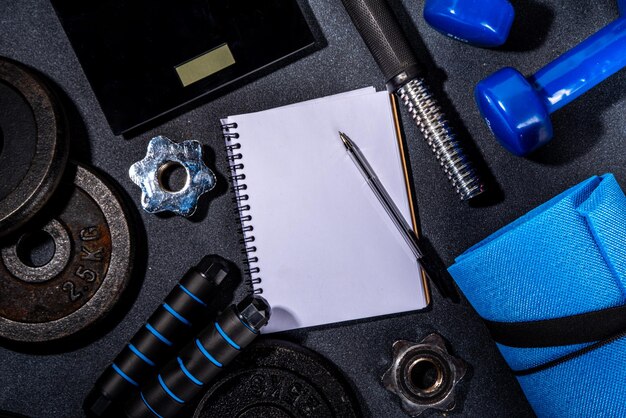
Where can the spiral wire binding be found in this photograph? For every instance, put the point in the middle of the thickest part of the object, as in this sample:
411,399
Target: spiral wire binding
234,157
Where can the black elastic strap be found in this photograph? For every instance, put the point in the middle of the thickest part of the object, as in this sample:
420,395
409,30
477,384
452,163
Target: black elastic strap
568,357
577,329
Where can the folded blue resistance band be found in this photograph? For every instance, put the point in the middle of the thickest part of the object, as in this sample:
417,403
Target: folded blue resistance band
551,288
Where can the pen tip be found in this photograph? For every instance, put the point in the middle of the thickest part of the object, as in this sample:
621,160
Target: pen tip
346,141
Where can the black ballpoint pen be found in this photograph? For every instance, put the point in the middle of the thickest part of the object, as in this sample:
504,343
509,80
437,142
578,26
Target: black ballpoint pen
396,216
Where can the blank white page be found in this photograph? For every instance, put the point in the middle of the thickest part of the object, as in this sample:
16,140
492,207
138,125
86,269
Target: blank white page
327,251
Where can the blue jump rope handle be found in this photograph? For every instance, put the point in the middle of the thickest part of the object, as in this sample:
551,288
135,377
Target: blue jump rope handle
170,325
182,379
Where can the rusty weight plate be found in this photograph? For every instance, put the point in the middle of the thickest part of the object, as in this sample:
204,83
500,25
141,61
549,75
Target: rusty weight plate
89,269
33,145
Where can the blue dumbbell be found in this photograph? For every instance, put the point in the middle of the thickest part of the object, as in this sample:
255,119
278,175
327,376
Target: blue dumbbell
485,23
517,109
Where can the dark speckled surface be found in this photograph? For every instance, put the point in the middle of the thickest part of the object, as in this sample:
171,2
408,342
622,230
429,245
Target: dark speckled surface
588,141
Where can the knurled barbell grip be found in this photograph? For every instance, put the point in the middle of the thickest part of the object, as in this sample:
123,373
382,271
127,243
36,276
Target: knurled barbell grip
384,38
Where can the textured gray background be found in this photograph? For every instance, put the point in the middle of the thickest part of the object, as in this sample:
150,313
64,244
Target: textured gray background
588,141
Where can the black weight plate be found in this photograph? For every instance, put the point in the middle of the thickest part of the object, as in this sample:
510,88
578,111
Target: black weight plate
278,379
88,270
33,145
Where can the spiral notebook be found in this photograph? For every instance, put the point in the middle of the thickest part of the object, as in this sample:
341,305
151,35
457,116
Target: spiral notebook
318,244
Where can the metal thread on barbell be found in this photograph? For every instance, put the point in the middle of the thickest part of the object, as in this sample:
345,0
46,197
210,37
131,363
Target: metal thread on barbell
431,120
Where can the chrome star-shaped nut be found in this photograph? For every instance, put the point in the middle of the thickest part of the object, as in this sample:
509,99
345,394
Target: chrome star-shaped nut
163,154
424,375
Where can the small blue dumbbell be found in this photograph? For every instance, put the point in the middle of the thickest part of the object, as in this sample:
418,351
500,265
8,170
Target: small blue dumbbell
517,109
485,23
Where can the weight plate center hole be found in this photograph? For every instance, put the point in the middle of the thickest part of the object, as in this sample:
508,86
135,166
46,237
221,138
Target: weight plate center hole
36,249
173,177
425,376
